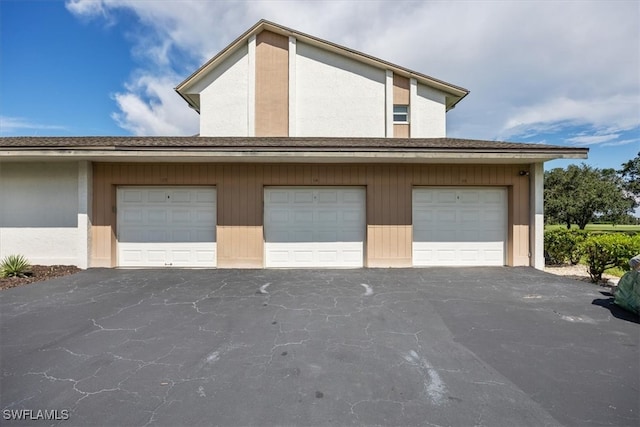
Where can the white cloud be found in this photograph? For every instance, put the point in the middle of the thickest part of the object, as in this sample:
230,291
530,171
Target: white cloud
149,107
531,66
12,125
621,142
616,113
593,139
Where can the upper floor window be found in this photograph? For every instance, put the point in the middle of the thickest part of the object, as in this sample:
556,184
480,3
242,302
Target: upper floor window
400,114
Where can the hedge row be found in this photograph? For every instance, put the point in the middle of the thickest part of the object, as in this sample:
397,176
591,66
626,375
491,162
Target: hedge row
599,251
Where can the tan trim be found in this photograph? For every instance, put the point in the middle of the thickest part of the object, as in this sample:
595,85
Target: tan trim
401,97
272,85
401,130
400,90
240,189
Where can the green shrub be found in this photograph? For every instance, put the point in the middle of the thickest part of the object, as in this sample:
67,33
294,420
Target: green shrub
563,245
14,266
635,244
605,251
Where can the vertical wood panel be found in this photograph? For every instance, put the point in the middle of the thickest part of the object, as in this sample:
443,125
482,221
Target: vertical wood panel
401,130
272,85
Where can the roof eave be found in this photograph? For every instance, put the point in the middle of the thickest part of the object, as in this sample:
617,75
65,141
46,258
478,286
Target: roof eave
280,155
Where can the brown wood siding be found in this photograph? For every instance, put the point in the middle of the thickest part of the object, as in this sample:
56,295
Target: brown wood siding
272,85
240,191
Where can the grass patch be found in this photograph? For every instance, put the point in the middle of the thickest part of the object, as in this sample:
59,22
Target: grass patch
609,228
615,271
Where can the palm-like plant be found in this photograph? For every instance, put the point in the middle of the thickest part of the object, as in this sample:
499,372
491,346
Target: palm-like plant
14,266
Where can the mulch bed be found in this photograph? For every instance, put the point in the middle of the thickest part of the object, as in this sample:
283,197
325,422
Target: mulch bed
38,274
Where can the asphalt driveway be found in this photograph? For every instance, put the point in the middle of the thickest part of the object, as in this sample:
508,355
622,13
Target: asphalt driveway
437,346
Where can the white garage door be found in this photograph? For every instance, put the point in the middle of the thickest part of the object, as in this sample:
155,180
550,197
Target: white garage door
166,226
459,226
314,226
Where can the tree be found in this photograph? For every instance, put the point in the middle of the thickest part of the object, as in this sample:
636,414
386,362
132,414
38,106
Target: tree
630,174
579,194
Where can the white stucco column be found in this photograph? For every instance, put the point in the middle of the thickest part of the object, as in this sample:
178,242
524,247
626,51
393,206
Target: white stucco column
389,104
414,123
84,212
251,87
292,86
536,229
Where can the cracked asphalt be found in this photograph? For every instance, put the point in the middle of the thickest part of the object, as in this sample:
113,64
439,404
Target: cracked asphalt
433,347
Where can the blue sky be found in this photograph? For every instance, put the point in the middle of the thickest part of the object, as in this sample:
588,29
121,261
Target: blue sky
562,72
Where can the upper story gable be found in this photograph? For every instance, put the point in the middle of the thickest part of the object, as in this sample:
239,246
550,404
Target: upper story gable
275,81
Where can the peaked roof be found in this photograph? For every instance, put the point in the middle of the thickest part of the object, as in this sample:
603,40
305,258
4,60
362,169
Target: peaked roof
454,93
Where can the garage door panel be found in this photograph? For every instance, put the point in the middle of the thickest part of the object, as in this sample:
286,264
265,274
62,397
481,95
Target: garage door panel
206,216
180,196
328,256
161,226
276,197
302,216
446,197
493,197
446,216
156,196
469,197
495,255
302,255
133,216
463,226
131,255
180,256
328,217
132,196
353,197
327,196
277,216
303,197
422,197
325,236
157,216
325,227
469,256
156,256
181,216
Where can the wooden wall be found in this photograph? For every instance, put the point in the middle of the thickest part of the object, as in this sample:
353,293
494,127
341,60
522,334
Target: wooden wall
272,85
240,202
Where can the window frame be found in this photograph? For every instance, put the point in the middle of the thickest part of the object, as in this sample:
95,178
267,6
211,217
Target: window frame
401,113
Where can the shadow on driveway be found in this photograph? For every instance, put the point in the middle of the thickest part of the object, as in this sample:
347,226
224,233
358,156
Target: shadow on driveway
616,310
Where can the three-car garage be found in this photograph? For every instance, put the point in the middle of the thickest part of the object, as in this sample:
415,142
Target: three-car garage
310,226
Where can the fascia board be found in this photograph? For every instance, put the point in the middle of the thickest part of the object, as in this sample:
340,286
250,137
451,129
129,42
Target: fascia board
432,156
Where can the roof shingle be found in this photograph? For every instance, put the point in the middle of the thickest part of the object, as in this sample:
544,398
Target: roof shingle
195,143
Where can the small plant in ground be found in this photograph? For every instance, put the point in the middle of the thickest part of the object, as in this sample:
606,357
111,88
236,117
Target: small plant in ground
606,251
563,245
14,266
